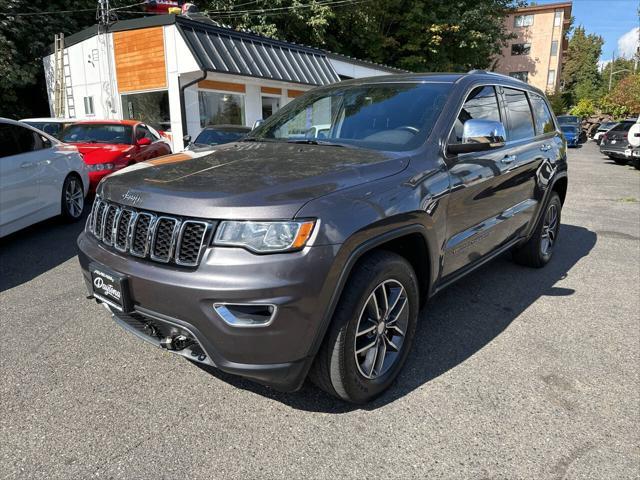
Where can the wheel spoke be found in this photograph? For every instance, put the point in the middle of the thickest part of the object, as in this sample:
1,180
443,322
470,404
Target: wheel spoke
397,299
366,330
385,299
372,365
380,356
367,347
395,347
373,304
397,315
397,329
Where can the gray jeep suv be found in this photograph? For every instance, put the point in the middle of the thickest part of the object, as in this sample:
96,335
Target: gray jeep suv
287,254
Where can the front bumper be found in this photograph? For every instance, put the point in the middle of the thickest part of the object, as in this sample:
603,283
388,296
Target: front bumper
300,284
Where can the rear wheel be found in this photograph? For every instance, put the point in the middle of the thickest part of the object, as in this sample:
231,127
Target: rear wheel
538,250
618,160
72,198
371,331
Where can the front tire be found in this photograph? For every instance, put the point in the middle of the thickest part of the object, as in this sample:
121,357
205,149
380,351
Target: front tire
538,250
72,201
372,330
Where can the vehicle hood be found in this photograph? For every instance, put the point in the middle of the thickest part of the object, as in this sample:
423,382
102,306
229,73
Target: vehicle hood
101,152
250,180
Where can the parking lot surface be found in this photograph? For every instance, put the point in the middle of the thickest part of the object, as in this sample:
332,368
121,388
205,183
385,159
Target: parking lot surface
515,373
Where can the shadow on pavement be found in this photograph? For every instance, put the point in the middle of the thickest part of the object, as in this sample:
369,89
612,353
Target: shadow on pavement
30,252
456,323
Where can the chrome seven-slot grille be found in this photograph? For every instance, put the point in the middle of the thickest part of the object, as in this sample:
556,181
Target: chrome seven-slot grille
161,238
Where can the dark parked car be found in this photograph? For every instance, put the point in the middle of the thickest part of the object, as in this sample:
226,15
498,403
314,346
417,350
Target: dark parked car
216,135
615,143
602,129
278,257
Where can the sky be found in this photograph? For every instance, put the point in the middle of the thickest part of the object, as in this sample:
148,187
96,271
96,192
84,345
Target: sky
614,20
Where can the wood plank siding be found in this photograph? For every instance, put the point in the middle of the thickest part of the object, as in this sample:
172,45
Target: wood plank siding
140,62
224,86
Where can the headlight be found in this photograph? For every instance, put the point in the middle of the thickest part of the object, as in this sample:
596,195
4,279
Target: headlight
264,237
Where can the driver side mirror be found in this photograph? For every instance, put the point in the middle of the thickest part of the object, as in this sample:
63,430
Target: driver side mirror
143,142
479,135
186,140
257,123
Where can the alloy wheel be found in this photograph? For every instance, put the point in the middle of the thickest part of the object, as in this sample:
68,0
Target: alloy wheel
381,329
549,230
74,198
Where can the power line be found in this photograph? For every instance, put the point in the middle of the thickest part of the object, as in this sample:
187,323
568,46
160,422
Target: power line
61,12
327,3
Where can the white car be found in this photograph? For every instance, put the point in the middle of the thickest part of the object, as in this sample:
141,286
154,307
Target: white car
39,177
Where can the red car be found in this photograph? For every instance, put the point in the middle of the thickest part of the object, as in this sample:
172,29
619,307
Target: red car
109,145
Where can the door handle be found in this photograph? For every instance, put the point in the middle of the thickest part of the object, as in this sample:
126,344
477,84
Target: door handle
545,147
26,164
508,159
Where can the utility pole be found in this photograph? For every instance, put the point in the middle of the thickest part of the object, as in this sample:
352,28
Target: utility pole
613,59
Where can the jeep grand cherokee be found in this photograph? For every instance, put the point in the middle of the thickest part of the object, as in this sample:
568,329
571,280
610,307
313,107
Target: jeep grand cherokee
290,254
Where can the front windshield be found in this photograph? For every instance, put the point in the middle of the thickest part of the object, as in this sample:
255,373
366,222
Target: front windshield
98,133
386,116
211,136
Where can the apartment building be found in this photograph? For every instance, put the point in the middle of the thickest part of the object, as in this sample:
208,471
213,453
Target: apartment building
537,53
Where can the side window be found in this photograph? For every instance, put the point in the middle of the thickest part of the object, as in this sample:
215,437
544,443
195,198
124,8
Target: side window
8,144
143,132
481,103
520,118
27,140
541,114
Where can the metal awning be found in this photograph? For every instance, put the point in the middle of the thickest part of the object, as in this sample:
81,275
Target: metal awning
218,49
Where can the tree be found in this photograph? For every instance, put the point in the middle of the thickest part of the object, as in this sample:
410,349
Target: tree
584,108
622,65
580,74
24,40
624,99
415,35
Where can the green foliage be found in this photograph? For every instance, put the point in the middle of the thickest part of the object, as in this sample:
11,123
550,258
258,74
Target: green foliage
580,73
623,66
624,99
558,103
584,108
417,35
24,40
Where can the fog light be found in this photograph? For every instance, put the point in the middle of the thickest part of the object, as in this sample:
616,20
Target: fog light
245,314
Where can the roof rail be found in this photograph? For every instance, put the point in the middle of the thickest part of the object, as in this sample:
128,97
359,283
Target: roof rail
471,72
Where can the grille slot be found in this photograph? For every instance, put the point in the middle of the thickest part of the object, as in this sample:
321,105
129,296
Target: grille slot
164,234
142,234
99,218
192,237
123,225
109,221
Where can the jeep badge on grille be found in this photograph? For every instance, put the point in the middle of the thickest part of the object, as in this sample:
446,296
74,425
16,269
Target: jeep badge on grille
132,198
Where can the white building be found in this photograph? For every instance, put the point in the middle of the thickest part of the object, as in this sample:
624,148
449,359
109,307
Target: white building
179,74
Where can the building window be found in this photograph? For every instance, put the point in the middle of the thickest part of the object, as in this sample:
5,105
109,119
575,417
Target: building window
551,78
151,108
521,49
522,76
557,18
523,21
88,106
217,108
554,48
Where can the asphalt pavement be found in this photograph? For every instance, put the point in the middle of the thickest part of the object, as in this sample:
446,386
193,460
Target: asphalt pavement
515,373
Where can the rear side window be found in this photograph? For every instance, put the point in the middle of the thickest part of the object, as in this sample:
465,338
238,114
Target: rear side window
541,114
520,118
622,127
482,104
8,144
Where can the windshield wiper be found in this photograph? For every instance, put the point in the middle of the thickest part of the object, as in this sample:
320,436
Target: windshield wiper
309,141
